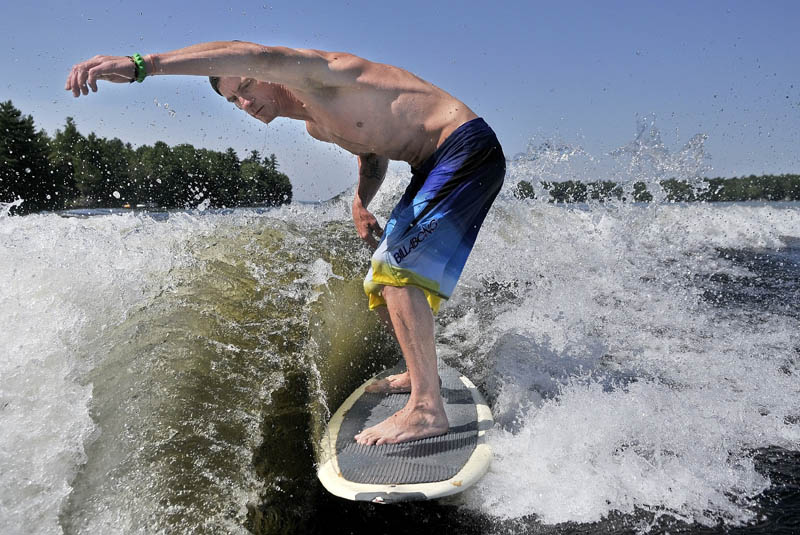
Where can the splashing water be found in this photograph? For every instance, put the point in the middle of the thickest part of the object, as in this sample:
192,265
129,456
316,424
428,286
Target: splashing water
617,384
172,372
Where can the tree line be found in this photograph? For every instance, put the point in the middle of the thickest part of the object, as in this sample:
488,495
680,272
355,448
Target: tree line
750,188
70,170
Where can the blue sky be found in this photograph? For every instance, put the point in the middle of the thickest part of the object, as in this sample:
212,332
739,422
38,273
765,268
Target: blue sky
578,72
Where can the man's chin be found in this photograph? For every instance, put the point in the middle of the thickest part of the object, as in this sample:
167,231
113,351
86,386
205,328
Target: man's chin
264,119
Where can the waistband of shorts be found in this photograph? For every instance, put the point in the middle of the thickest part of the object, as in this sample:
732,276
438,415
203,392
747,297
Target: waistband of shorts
471,135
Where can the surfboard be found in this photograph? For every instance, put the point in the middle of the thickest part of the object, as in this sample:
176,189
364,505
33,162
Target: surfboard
423,469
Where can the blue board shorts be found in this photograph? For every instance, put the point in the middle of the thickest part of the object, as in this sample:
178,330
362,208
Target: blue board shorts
431,231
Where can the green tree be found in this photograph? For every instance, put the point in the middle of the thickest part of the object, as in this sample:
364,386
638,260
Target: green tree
63,150
224,177
678,190
24,167
524,190
567,191
94,171
149,175
101,171
604,190
254,156
640,193
272,162
261,185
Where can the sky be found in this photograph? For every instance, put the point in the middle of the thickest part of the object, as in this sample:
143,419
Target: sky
582,73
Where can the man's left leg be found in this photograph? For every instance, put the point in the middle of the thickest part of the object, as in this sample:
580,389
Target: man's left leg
393,384
423,416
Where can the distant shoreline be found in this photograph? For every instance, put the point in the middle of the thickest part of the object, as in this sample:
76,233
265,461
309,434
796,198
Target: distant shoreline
70,170
767,188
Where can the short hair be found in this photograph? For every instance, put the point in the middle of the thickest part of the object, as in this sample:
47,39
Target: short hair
214,81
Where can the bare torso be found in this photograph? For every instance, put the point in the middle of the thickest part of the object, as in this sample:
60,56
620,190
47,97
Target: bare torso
387,111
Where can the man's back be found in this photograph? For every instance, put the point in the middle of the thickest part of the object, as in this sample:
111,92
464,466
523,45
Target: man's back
380,109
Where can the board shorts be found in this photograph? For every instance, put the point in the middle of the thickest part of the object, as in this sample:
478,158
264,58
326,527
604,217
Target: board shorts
431,231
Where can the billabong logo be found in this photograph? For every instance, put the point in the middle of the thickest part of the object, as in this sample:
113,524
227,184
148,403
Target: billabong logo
425,231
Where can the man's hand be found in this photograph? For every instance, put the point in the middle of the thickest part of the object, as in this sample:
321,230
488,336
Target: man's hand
84,75
366,225
371,171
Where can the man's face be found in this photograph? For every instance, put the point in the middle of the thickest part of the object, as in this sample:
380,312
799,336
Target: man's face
254,97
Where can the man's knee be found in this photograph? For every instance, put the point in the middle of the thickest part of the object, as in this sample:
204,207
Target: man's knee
402,296
394,291
388,291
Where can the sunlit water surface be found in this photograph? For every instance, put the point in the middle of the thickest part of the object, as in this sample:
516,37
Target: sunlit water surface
171,373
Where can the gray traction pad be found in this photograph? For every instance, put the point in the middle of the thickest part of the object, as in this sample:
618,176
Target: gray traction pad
421,461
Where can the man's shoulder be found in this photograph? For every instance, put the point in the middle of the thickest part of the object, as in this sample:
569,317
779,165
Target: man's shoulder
342,60
342,68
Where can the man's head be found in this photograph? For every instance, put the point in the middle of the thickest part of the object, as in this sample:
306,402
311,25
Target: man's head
261,100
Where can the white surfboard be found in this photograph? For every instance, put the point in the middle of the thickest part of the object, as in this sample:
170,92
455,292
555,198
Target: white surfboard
419,470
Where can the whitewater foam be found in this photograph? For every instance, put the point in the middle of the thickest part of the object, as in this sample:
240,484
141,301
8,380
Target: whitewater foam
617,385
618,381
64,282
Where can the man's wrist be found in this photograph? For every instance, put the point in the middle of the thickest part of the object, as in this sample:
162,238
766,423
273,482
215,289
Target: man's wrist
139,68
150,62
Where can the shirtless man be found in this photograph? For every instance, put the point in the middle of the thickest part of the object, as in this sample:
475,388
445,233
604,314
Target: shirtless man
379,113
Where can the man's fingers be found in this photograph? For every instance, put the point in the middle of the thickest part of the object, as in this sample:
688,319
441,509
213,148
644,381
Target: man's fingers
79,79
375,229
76,82
367,227
82,78
369,238
85,76
73,83
92,79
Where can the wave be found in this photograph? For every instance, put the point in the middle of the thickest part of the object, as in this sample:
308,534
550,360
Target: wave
175,372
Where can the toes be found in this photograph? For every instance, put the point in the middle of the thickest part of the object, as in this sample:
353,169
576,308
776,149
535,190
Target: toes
378,386
365,438
369,438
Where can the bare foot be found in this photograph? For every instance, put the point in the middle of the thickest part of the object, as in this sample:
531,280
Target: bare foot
409,423
393,384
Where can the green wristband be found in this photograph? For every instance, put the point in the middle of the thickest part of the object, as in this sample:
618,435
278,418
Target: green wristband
139,68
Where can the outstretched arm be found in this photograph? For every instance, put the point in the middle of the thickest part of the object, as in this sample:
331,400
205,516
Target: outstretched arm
298,68
371,172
